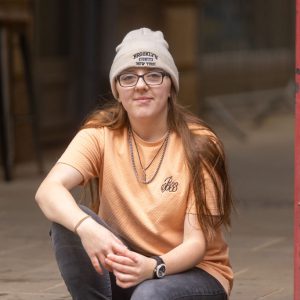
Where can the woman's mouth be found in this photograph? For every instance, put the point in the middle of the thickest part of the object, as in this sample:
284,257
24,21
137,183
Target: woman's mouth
142,99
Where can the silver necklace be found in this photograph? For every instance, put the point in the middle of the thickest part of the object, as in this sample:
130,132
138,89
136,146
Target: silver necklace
163,147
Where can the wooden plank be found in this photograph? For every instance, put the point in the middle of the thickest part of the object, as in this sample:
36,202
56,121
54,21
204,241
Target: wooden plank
297,164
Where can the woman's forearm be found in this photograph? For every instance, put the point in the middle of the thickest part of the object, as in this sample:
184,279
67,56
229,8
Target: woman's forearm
185,256
58,204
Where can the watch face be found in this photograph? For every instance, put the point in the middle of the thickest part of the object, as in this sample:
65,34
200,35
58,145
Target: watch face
161,270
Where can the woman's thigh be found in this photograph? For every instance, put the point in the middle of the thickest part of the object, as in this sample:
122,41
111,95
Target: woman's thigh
195,284
82,280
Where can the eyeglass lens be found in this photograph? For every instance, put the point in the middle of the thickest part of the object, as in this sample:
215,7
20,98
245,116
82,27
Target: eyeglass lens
150,78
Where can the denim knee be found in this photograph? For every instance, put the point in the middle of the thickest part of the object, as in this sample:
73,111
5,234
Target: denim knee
150,290
56,228
194,284
82,280
88,210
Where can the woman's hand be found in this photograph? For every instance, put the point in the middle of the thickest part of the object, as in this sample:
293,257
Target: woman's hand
98,242
130,268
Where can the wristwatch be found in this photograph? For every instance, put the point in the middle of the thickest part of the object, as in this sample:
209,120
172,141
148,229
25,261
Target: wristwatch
160,269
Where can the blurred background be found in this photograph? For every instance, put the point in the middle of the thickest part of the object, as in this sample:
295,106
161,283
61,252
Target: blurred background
228,53
236,65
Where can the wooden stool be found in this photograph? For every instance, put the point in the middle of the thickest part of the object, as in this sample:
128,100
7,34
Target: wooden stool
17,23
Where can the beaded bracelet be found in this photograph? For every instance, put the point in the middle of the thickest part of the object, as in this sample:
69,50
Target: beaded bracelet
79,223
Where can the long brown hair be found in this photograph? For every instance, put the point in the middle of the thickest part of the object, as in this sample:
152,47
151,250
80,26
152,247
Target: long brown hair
204,155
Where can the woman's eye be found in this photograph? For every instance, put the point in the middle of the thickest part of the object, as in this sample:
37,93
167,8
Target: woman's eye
128,77
153,75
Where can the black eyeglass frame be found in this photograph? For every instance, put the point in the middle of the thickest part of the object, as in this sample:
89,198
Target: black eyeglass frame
163,73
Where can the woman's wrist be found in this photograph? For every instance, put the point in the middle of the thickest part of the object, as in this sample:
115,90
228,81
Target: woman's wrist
152,266
86,226
78,224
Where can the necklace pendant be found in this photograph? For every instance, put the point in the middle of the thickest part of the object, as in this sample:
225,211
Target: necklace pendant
163,148
144,175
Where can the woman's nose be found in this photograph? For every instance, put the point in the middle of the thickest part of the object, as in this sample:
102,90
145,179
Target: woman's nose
141,83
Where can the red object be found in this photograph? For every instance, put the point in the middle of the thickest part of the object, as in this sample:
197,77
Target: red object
297,163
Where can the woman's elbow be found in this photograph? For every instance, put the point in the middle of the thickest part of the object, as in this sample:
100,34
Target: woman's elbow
200,246
39,195
43,192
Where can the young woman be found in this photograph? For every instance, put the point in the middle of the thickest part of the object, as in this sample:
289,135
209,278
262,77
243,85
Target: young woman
154,229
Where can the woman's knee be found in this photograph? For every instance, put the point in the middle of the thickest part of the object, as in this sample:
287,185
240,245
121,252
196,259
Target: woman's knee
149,290
57,229
62,237
88,211
194,284
95,217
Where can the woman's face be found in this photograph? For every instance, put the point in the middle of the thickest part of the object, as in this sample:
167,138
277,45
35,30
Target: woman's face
142,101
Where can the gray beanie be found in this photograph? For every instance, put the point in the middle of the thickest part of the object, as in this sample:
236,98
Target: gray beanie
143,48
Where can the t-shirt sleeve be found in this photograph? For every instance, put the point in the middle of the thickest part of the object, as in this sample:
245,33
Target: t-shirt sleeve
85,152
210,194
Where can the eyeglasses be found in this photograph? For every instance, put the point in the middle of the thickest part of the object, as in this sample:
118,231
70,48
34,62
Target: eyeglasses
150,78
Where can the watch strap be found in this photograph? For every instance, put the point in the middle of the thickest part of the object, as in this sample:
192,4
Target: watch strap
158,259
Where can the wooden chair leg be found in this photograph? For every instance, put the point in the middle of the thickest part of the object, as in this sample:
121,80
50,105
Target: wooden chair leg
5,117
31,98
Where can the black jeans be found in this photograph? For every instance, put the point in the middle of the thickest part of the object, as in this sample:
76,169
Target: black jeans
84,283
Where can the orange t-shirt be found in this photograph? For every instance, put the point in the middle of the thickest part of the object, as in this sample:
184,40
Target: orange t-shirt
150,217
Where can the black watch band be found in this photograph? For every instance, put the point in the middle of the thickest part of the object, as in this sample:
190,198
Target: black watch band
160,269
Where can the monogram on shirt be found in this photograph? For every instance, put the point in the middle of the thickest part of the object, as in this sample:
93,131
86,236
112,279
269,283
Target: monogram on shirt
169,185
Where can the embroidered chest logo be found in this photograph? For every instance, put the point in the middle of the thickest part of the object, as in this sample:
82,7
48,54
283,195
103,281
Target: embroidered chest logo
169,185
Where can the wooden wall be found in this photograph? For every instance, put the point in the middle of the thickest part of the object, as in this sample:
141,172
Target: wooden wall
74,43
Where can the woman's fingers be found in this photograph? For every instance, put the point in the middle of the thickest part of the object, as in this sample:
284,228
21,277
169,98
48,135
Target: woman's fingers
124,284
119,241
128,272
121,268
124,278
99,262
103,262
120,259
124,251
118,247
96,264
132,255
